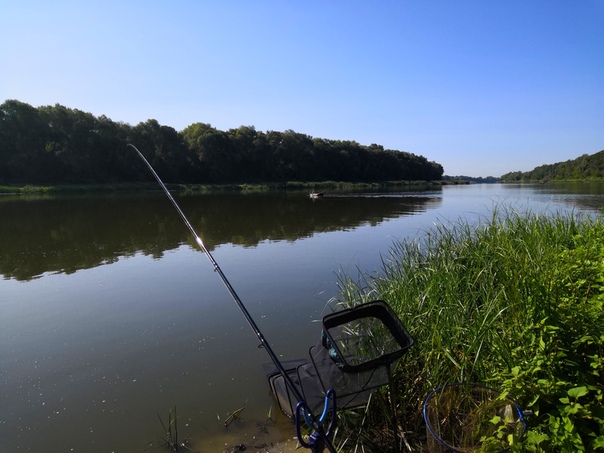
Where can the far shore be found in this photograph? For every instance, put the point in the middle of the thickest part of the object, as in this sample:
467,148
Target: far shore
25,189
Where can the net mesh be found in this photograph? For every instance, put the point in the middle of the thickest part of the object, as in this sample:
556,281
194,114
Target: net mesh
471,417
357,347
314,378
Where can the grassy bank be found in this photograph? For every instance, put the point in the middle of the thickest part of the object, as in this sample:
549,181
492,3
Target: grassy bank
241,187
515,303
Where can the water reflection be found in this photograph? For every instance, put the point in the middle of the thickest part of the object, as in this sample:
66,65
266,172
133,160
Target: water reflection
65,234
579,194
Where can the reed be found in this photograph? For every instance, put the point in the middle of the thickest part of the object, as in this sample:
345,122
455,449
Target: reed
170,440
170,428
473,294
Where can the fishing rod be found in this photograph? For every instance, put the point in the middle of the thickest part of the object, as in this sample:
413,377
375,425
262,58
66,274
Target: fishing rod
319,438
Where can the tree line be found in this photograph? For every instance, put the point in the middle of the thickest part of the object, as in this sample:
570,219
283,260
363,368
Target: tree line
583,167
60,145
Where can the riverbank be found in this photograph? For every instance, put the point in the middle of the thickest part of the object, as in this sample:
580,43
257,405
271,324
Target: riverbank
265,445
239,187
515,303
288,446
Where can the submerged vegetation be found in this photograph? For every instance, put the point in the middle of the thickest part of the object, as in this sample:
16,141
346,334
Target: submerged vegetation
516,303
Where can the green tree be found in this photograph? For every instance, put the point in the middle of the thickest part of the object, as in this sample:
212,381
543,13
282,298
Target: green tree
23,136
247,155
165,149
212,148
56,144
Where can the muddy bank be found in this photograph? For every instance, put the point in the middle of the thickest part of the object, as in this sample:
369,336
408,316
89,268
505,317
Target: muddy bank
288,446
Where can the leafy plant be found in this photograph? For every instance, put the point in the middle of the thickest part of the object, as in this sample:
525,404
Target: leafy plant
515,301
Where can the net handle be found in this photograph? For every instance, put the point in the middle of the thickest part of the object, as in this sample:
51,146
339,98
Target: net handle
316,441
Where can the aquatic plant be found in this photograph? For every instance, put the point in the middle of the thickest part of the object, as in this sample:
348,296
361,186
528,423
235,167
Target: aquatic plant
170,438
514,301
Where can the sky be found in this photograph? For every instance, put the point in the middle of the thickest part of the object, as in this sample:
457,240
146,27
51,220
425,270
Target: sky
481,87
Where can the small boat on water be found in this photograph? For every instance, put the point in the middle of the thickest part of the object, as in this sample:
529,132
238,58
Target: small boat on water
316,194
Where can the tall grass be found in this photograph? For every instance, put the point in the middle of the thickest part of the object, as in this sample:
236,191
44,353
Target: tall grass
476,299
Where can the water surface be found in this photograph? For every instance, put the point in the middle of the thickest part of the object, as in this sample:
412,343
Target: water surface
109,315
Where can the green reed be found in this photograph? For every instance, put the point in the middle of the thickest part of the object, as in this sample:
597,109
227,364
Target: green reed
471,293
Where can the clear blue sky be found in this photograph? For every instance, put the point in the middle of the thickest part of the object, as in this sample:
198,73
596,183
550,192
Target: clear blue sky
482,87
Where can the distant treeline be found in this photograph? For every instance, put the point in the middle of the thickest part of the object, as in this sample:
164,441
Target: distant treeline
60,145
584,167
477,180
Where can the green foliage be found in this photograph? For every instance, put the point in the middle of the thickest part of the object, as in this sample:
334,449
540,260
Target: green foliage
56,145
558,373
515,302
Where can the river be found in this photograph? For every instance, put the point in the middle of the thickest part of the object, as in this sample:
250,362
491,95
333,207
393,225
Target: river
110,315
